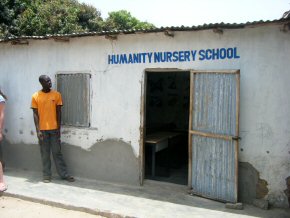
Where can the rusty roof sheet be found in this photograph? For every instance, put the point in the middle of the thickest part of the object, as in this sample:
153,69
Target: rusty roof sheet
152,30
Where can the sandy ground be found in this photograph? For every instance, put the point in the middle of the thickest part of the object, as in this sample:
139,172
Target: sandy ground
17,208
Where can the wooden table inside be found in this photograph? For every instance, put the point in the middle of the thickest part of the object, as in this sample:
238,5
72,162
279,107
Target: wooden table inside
158,141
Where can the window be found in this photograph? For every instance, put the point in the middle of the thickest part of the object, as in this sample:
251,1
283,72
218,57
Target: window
75,91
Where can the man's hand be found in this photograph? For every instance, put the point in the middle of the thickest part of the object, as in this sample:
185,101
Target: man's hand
39,135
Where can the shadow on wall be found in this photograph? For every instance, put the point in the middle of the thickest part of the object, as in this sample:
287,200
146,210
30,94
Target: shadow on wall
287,191
111,160
22,156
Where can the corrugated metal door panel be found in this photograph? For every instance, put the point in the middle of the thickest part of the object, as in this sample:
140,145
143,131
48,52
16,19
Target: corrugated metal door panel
213,168
213,123
75,92
215,103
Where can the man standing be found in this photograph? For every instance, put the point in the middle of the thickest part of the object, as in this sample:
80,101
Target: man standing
46,105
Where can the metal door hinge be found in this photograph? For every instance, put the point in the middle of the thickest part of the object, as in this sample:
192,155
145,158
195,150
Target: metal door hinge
236,138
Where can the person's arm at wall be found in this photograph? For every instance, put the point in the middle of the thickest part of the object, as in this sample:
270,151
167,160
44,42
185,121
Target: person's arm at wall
36,122
58,111
2,115
58,116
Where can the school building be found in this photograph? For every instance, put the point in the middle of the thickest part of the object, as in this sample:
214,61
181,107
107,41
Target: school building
205,106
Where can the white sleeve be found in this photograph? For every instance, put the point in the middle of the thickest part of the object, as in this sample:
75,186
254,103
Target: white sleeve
2,99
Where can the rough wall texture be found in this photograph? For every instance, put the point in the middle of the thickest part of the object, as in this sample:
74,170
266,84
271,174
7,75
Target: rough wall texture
248,178
111,160
252,187
287,190
22,156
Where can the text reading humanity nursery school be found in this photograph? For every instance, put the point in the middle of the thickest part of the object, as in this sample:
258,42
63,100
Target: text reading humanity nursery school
174,56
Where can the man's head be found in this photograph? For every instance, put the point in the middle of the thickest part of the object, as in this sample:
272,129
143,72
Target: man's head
45,81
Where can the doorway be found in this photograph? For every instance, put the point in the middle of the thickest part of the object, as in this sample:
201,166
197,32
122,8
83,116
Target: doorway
192,130
166,126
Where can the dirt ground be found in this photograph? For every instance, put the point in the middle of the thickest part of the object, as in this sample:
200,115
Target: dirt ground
16,208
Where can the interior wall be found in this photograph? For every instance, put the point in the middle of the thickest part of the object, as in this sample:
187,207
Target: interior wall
167,109
167,104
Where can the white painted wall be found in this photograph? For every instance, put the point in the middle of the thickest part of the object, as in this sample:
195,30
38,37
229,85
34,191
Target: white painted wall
116,89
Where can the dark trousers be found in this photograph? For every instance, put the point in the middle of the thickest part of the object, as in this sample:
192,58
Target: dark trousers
51,144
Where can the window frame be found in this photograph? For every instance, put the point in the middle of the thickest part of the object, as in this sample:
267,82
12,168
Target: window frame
88,78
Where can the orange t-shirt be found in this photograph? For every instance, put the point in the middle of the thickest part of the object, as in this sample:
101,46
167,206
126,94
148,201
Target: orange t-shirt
46,104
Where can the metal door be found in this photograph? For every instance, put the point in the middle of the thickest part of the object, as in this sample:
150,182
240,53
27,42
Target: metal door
214,134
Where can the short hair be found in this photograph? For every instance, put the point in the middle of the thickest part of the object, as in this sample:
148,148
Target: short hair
42,78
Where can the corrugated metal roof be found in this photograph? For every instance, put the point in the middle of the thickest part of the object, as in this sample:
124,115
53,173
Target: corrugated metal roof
152,30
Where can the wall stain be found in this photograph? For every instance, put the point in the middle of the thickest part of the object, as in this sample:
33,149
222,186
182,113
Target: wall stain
261,188
65,132
100,140
111,160
265,132
251,186
287,191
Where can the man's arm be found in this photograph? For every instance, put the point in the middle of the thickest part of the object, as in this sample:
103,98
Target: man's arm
36,122
2,115
58,116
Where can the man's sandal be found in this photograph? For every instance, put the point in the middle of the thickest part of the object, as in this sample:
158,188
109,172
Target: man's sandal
69,179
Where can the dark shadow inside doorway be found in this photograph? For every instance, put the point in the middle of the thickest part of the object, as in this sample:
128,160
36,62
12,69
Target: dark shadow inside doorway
167,116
